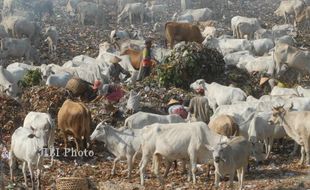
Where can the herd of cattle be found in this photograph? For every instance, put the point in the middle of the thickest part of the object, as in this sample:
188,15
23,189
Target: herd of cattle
241,126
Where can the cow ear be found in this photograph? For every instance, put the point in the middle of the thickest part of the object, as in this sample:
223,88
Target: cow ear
31,135
209,147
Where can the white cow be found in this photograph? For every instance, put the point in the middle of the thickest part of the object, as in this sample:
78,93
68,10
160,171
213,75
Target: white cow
8,84
122,144
130,10
43,122
210,31
234,58
141,119
122,3
292,57
304,92
177,141
117,35
292,8
157,11
226,45
27,146
230,157
264,64
262,46
192,15
260,129
295,125
244,26
282,30
218,94
58,80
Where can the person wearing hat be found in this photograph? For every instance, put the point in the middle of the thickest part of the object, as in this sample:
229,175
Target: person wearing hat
116,69
175,107
146,64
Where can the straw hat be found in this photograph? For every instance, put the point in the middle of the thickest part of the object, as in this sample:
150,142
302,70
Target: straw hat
173,101
97,84
263,80
115,59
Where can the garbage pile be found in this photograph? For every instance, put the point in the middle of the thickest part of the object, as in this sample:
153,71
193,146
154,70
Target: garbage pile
31,78
11,114
189,62
44,99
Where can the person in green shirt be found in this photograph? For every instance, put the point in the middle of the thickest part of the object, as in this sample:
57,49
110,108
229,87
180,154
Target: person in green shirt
146,65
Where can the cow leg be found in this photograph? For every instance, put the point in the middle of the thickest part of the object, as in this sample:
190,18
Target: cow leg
141,17
183,167
65,137
130,18
268,145
293,153
11,164
31,174
39,170
24,173
193,168
129,163
114,163
216,180
302,152
231,179
189,173
143,163
307,150
241,178
77,144
168,166
157,161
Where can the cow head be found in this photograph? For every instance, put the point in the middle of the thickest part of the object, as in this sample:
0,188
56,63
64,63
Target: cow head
258,151
99,133
277,114
218,152
41,136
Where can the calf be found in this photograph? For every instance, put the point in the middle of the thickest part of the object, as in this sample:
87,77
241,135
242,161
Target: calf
27,145
229,157
74,117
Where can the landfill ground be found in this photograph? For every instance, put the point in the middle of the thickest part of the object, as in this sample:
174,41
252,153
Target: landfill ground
280,171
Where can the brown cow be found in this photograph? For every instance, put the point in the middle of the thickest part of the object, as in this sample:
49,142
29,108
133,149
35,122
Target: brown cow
187,32
224,125
74,118
135,57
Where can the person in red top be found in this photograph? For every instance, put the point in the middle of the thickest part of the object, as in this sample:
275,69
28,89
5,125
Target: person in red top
175,107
